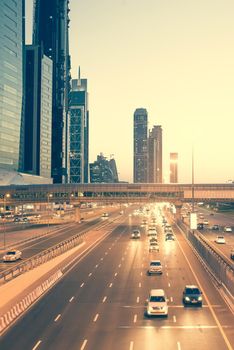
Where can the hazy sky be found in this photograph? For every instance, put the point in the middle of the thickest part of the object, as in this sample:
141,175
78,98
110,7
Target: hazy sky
173,57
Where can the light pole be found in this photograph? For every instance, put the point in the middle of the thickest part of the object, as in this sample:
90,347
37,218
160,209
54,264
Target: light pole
49,195
7,195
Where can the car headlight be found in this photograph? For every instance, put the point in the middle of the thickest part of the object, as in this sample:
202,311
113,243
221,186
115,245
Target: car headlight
187,298
199,298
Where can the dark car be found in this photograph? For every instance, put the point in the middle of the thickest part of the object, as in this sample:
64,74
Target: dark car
169,237
192,295
215,228
232,254
200,226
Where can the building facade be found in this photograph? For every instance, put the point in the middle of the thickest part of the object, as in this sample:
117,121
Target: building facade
38,112
173,167
79,131
155,155
103,170
50,31
11,81
140,146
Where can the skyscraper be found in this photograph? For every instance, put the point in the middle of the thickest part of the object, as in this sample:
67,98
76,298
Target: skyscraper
38,112
155,154
103,170
140,146
11,81
79,131
173,167
50,31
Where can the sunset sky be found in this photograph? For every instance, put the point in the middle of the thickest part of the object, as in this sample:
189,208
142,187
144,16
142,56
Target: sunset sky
173,57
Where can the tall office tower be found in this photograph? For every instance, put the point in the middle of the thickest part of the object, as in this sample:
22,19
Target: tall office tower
38,112
50,31
103,170
140,146
79,116
173,167
11,81
155,154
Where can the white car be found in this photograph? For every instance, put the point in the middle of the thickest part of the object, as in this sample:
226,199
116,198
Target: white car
153,247
157,303
152,232
155,267
227,229
136,234
12,255
220,240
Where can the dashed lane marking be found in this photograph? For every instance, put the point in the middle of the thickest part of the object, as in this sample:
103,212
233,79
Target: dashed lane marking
90,274
95,318
131,345
84,344
178,345
82,285
57,318
135,318
174,319
110,285
37,344
70,300
104,299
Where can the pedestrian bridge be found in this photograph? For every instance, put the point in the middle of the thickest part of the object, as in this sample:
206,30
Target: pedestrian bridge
119,192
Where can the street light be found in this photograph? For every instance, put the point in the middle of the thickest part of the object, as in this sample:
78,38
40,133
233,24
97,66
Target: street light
7,195
49,195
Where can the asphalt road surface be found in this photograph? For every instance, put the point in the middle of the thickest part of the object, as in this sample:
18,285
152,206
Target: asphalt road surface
100,303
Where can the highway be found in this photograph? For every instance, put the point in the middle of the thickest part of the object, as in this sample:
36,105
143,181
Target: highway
100,302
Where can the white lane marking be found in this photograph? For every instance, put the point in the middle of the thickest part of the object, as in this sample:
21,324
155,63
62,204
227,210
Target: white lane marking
178,345
142,265
37,344
110,248
119,265
131,345
90,274
116,274
141,273
135,318
82,285
177,327
165,265
122,259
104,299
70,300
84,344
139,285
57,318
171,299
207,299
169,284
106,253
111,284
95,318
167,274
102,259
138,299
96,266
174,318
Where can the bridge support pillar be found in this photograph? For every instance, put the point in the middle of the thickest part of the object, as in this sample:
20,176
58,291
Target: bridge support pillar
77,214
178,207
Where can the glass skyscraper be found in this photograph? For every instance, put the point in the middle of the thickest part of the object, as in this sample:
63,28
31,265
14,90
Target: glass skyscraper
140,146
155,155
11,81
50,31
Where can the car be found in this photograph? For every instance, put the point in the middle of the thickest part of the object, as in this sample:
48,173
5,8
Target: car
232,254
157,303
220,240
153,247
155,267
153,239
201,216
192,295
205,222
169,237
152,232
227,229
136,234
12,255
200,226
215,228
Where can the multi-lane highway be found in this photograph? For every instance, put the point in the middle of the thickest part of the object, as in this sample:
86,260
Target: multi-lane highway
100,303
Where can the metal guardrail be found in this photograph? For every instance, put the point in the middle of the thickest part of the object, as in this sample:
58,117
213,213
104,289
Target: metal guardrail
219,266
42,257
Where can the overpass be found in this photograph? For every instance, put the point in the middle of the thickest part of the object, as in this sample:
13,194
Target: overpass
119,192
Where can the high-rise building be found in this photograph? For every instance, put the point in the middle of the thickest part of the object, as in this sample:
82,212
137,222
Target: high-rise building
140,146
103,170
12,35
38,112
79,131
50,31
173,167
155,155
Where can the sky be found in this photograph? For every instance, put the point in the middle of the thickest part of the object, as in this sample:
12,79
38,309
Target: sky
173,57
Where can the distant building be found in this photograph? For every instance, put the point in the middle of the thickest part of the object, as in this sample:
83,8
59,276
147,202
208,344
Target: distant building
38,112
103,170
12,35
155,155
50,31
173,167
79,131
140,146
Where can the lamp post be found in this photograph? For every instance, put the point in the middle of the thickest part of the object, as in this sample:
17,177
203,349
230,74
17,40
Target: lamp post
7,195
49,195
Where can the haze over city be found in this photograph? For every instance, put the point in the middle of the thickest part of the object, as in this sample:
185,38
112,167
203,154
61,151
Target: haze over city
173,58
